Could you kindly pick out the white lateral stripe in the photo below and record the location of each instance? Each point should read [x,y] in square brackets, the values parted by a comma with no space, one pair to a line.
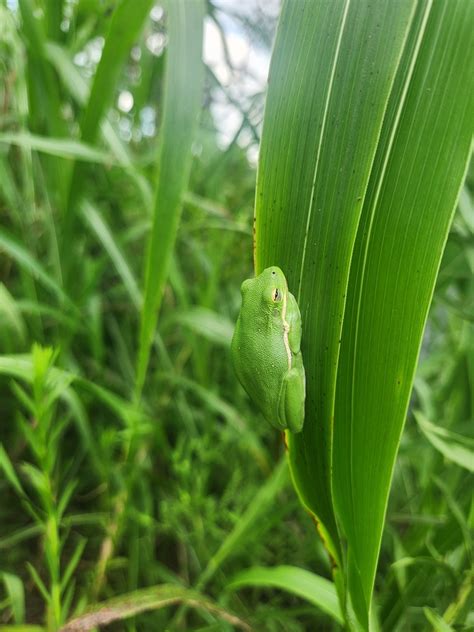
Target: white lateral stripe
[286,329]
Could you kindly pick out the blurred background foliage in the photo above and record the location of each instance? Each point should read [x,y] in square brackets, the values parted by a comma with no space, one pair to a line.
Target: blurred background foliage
[101,496]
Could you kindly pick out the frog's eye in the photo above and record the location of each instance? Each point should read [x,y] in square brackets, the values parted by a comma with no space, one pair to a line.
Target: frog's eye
[276,295]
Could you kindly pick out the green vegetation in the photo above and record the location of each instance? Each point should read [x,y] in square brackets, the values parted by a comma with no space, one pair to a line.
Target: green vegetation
[140,487]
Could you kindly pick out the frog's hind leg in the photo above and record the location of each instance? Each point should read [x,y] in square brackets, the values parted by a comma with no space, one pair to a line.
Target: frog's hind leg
[291,401]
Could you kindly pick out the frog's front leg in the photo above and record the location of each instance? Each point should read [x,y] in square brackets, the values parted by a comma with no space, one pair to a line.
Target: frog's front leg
[291,400]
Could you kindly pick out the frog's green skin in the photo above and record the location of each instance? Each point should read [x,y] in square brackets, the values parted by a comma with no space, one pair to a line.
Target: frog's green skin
[266,349]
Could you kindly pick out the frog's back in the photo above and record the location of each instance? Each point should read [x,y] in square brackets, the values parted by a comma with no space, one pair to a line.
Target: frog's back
[260,358]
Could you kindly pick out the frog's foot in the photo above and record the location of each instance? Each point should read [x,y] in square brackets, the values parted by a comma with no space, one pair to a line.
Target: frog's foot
[291,401]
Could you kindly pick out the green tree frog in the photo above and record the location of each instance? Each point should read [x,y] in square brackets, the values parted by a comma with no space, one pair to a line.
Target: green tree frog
[266,349]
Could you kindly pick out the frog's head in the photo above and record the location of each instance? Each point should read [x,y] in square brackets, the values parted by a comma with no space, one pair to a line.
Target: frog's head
[274,287]
[270,286]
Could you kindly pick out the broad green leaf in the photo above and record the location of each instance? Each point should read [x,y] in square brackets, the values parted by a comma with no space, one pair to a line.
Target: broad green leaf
[453,446]
[154,598]
[182,101]
[366,136]
[315,589]
[408,208]
[330,79]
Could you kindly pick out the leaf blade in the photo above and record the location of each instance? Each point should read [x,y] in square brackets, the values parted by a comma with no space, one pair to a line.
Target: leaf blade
[153,598]
[182,98]
[395,263]
[316,155]
[317,590]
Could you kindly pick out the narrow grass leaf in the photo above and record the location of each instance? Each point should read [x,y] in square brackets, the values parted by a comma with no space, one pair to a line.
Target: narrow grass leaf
[9,471]
[11,313]
[21,255]
[20,535]
[317,590]
[20,366]
[438,623]
[79,89]
[62,147]
[73,562]
[22,628]
[38,582]
[97,224]
[182,102]
[259,505]
[218,405]
[124,29]
[453,446]
[42,105]
[145,600]
[457,512]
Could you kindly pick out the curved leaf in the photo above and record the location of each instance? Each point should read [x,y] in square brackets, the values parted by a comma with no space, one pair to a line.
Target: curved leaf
[453,446]
[317,590]
[131,604]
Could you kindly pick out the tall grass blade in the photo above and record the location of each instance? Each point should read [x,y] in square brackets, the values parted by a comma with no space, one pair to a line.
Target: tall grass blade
[97,224]
[182,101]
[79,89]
[125,26]
[43,111]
